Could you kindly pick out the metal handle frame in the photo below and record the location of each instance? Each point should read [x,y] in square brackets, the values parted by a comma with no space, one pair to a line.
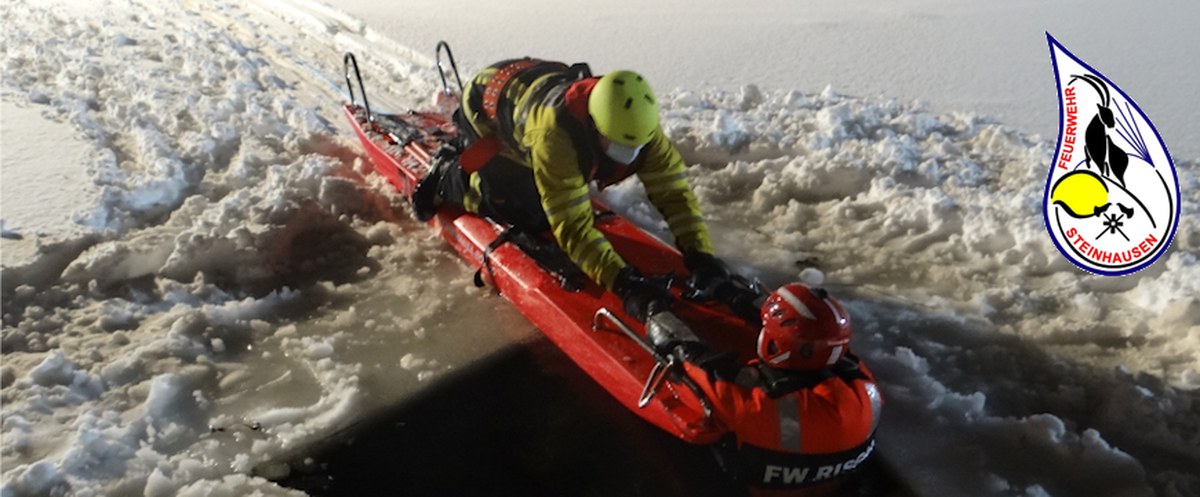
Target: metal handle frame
[349,61]
[663,364]
[454,66]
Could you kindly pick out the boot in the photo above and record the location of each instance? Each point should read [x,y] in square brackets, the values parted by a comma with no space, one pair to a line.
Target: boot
[426,197]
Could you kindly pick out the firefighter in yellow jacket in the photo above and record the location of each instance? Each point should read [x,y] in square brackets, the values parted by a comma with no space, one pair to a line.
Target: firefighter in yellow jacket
[537,133]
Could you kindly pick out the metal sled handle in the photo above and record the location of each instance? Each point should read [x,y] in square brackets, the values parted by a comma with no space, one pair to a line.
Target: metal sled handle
[662,364]
[603,312]
[658,375]
[453,66]
[349,61]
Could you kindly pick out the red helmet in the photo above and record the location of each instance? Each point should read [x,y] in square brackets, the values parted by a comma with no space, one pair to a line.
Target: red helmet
[803,328]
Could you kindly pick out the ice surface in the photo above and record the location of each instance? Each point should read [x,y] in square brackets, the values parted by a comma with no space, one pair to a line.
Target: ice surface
[233,289]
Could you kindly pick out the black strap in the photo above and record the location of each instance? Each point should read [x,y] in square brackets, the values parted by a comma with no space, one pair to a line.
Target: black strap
[780,382]
[546,254]
[580,70]
[493,92]
[550,257]
[399,130]
[586,144]
[505,236]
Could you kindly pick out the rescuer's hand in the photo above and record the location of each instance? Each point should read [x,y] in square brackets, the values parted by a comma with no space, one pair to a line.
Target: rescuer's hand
[745,301]
[708,274]
[642,297]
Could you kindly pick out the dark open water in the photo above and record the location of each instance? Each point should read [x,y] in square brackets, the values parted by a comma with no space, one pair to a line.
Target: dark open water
[524,422]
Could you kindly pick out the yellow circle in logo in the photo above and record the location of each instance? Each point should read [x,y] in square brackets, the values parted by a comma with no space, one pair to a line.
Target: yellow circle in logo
[1081,193]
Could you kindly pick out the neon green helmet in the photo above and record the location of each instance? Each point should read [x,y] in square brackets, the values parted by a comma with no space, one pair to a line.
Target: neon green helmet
[624,108]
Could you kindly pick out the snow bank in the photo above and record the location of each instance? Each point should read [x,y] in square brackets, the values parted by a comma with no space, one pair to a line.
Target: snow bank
[245,292]
[241,291]
[986,57]
[938,209]
[1006,368]
[161,361]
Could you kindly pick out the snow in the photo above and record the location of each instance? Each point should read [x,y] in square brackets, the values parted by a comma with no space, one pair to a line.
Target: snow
[983,57]
[199,282]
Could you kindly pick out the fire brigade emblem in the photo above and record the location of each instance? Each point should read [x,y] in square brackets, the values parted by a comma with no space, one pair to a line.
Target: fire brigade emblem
[1112,197]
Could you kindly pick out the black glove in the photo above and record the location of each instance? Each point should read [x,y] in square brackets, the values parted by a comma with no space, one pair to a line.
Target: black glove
[744,301]
[708,274]
[643,297]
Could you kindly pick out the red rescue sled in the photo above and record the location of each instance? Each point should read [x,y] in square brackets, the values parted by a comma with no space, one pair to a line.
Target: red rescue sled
[588,324]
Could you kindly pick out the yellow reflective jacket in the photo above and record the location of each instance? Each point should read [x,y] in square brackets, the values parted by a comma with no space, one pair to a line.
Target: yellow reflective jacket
[541,133]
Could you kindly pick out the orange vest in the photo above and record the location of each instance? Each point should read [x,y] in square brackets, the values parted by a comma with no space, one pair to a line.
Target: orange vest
[801,432]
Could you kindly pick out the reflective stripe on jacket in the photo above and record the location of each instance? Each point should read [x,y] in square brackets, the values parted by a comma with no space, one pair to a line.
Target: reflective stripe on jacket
[802,436]
[563,151]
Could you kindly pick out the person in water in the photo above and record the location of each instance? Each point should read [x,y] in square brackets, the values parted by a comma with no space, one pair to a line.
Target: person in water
[802,416]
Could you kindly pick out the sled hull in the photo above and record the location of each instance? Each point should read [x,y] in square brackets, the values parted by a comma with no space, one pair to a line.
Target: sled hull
[620,365]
